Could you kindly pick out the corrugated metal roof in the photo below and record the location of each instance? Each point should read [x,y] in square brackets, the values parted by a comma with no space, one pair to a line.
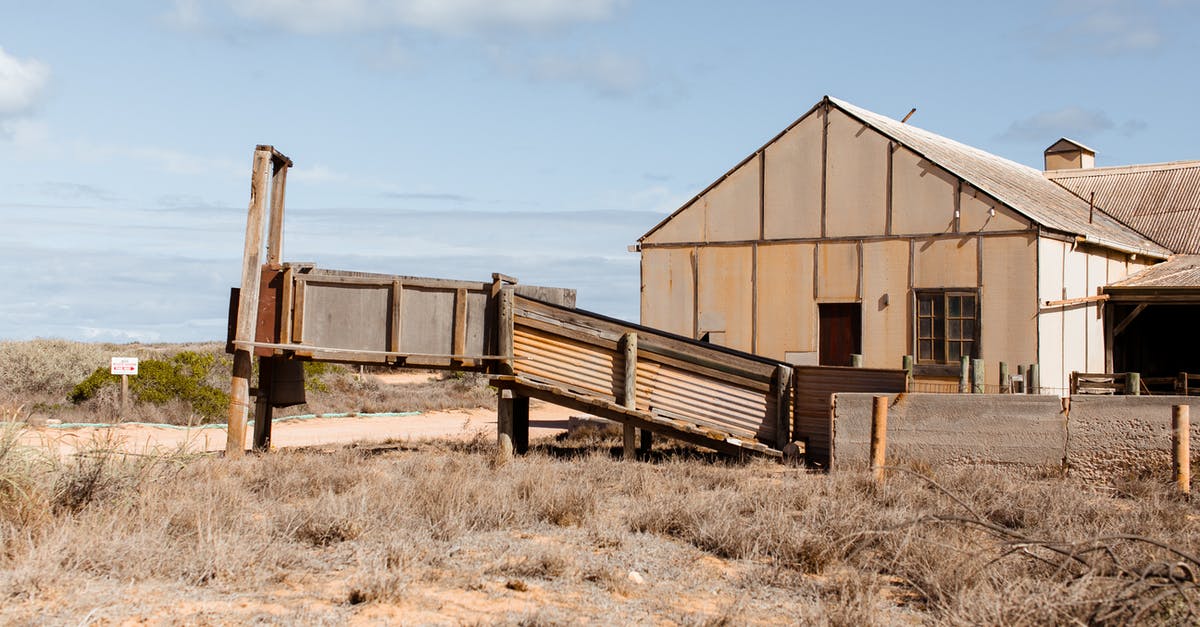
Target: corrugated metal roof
[1178,271]
[1162,200]
[1021,187]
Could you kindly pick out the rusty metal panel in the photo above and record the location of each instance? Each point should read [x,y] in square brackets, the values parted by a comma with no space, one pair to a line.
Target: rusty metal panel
[946,262]
[1008,303]
[685,226]
[668,294]
[856,178]
[706,401]
[837,271]
[786,309]
[731,206]
[270,309]
[885,314]
[922,195]
[792,182]
[558,359]
[813,410]
[726,295]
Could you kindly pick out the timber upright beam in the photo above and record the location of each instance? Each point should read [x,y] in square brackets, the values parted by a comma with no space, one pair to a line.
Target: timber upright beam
[263,410]
[629,343]
[247,308]
[512,409]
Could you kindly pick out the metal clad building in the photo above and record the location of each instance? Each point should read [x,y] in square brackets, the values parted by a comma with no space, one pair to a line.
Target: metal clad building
[851,232]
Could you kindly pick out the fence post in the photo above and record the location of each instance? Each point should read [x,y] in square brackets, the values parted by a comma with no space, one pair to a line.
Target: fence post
[856,360]
[1005,383]
[1181,453]
[977,379]
[1021,373]
[1034,386]
[907,364]
[964,375]
[1133,383]
[879,413]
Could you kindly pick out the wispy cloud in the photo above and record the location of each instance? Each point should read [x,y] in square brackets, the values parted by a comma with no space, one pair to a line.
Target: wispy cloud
[442,16]
[446,197]
[1075,122]
[1107,27]
[77,191]
[607,74]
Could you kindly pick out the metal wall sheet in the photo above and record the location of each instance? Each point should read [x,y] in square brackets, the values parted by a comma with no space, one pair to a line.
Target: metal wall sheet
[792,191]
[813,410]
[980,213]
[946,262]
[837,271]
[856,178]
[922,195]
[787,312]
[1097,278]
[885,311]
[1051,254]
[731,208]
[1075,328]
[726,295]
[668,290]
[561,360]
[1008,303]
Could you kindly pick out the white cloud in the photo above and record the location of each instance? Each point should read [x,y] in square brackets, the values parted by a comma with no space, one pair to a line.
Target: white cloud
[1109,27]
[443,16]
[185,15]
[22,84]
[316,174]
[608,74]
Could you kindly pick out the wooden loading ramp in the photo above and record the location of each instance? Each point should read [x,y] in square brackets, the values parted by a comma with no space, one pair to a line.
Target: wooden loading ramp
[531,340]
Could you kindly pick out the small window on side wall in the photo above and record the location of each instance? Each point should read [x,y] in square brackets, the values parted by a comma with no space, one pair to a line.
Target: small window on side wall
[947,325]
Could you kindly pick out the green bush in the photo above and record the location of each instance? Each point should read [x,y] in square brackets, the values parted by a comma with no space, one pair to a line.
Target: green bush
[182,377]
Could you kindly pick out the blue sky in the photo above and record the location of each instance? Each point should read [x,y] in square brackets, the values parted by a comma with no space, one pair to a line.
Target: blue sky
[455,138]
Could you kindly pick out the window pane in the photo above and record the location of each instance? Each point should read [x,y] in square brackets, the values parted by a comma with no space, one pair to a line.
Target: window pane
[925,327]
[939,307]
[968,304]
[968,349]
[955,306]
[955,351]
[924,306]
[968,329]
[956,329]
[925,350]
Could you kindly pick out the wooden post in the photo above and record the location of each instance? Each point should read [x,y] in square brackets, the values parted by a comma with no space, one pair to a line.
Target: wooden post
[1181,454]
[124,394]
[1021,373]
[280,165]
[263,411]
[856,360]
[1034,386]
[964,374]
[629,343]
[906,363]
[504,417]
[505,332]
[1133,384]
[879,412]
[977,380]
[1005,383]
[782,385]
[247,309]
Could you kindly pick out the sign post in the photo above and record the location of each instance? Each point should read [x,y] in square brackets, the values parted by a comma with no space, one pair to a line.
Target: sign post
[124,366]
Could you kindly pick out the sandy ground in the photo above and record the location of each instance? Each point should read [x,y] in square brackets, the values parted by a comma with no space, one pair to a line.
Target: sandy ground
[544,420]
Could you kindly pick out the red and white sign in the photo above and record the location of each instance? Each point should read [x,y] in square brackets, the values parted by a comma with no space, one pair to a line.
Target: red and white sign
[124,365]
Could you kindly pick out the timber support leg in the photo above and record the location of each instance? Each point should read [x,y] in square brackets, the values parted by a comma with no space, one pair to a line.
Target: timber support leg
[629,442]
[520,422]
[647,443]
[239,404]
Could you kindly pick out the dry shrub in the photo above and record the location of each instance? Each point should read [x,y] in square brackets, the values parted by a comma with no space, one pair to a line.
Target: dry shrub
[539,563]
[346,391]
[47,367]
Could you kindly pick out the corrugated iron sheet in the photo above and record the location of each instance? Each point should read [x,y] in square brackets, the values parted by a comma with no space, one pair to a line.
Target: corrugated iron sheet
[675,393]
[573,364]
[1162,201]
[1178,271]
[814,387]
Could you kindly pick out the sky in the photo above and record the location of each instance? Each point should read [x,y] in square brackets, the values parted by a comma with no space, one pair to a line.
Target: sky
[456,138]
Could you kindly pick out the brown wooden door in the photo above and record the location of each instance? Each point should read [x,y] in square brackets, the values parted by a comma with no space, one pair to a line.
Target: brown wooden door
[840,326]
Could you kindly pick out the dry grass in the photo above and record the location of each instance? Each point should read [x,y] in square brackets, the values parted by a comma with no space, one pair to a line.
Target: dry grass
[439,535]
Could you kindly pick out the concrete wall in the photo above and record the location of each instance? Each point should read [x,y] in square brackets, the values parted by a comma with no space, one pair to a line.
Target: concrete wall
[954,429]
[1113,436]
[1099,437]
